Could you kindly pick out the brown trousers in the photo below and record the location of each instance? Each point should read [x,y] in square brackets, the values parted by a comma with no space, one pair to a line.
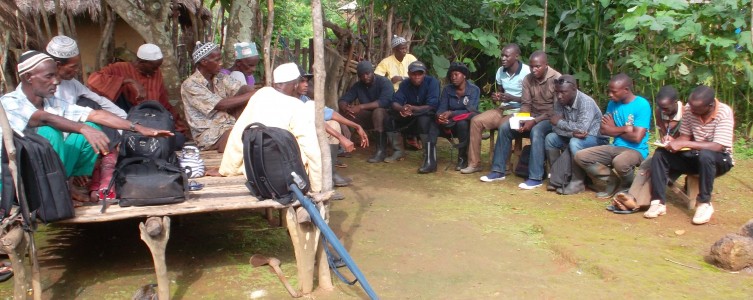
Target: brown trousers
[488,120]
[370,119]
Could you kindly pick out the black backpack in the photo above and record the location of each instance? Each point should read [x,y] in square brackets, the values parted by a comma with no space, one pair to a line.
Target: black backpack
[148,171]
[270,155]
[142,181]
[42,177]
[154,115]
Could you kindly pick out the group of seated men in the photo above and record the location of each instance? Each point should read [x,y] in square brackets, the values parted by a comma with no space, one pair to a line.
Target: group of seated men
[398,96]
[695,138]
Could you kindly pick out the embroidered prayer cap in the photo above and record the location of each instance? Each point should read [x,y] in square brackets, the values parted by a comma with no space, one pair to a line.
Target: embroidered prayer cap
[62,47]
[202,50]
[416,66]
[149,52]
[398,40]
[364,67]
[286,73]
[30,60]
[245,50]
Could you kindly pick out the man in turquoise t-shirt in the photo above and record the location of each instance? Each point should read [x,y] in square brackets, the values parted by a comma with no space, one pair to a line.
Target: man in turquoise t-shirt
[627,119]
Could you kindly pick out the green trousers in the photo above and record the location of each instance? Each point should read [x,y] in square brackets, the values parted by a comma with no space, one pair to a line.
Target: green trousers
[75,152]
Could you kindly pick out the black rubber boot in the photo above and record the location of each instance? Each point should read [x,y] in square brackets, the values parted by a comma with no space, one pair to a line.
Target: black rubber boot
[381,151]
[398,152]
[336,178]
[462,159]
[576,184]
[430,158]
[552,155]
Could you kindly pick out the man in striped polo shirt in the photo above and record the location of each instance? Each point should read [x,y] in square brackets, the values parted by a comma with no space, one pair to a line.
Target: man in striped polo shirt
[704,147]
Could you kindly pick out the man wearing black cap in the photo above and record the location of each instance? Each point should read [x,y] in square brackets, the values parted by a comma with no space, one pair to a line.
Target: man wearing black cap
[374,94]
[415,103]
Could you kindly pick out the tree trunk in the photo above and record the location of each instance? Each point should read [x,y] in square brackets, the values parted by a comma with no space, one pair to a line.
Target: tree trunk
[319,80]
[149,18]
[46,19]
[59,17]
[241,26]
[268,43]
[543,38]
[105,46]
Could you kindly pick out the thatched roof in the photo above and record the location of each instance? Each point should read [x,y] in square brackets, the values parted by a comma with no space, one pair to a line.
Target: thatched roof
[90,8]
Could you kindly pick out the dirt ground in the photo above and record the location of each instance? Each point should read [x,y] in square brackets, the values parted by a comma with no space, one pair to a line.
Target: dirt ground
[436,236]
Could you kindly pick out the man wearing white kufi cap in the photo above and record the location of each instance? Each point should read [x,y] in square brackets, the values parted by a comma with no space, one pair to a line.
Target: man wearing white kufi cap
[277,107]
[130,83]
[212,100]
[71,129]
[64,51]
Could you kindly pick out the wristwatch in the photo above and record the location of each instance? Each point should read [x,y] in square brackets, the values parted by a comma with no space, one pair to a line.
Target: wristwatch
[133,126]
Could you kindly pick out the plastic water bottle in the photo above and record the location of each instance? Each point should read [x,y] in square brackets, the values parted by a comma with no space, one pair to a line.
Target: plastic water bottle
[298,180]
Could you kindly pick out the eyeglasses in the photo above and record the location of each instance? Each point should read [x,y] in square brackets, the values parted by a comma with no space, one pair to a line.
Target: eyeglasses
[561,81]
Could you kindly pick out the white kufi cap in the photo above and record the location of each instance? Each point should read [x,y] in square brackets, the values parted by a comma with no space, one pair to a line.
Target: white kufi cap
[286,73]
[149,52]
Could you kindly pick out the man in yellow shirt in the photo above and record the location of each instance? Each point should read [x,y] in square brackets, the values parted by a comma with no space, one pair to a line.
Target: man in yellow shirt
[395,66]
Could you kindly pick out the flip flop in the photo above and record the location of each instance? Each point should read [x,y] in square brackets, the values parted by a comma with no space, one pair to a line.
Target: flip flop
[6,271]
[611,208]
[624,212]
[195,186]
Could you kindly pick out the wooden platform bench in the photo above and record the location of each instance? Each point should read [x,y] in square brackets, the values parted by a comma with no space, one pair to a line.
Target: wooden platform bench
[219,194]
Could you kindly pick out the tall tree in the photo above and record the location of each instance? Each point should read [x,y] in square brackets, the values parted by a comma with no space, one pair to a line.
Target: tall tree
[150,19]
[241,25]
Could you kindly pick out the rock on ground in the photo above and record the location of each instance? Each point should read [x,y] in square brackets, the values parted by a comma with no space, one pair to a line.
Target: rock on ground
[733,252]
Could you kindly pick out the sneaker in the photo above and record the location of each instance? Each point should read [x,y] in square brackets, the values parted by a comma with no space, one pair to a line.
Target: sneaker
[656,209]
[470,169]
[530,184]
[703,213]
[492,176]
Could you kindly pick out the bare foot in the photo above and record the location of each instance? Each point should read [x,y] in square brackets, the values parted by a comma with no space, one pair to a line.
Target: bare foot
[215,172]
[94,196]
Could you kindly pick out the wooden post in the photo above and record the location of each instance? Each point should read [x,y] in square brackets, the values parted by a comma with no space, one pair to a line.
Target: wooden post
[691,188]
[14,243]
[268,42]
[155,233]
[325,280]
[317,52]
[305,238]
[297,54]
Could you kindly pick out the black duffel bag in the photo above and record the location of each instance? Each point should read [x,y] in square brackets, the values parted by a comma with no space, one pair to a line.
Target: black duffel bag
[141,181]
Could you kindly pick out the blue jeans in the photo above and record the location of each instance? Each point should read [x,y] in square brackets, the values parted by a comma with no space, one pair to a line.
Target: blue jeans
[504,144]
[556,141]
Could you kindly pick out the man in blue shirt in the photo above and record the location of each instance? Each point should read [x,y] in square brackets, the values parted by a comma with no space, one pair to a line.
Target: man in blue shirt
[374,94]
[627,119]
[415,104]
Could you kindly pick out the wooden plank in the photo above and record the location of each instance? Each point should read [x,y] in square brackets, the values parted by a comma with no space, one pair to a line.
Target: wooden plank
[218,194]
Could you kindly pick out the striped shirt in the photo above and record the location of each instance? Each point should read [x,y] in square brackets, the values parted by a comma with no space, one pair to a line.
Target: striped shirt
[718,129]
